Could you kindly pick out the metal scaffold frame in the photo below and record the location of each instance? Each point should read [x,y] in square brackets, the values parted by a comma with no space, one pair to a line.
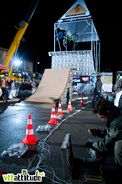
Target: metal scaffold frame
[75,32]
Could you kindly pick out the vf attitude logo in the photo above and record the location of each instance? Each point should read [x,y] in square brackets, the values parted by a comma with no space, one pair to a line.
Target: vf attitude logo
[24,176]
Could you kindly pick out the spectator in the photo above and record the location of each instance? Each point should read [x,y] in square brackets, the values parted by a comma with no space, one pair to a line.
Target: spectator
[67,96]
[97,90]
[4,87]
[118,93]
[118,85]
[12,93]
[0,92]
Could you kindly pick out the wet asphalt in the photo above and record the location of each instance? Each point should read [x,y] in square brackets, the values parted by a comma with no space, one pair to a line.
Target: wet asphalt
[13,121]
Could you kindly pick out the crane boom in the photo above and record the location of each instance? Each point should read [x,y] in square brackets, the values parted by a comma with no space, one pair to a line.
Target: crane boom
[15,44]
[18,37]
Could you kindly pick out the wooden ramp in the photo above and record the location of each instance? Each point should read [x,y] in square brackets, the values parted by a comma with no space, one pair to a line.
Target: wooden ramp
[52,86]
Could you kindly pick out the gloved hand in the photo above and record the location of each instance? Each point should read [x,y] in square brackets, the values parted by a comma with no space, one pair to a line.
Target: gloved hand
[94,131]
[88,144]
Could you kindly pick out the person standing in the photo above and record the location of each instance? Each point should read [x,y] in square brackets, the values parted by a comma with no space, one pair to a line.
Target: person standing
[118,93]
[12,92]
[4,87]
[97,90]
[67,96]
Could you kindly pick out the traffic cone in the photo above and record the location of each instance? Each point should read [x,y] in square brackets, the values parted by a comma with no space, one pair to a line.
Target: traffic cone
[69,108]
[29,138]
[82,102]
[60,113]
[53,117]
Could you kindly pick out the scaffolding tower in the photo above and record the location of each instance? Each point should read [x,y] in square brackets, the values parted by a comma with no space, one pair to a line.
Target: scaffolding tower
[76,41]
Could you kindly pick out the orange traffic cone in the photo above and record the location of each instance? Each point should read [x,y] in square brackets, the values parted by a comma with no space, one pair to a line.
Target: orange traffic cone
[82,102]
[29,138]
[59,113]
[69,108]
[53,117]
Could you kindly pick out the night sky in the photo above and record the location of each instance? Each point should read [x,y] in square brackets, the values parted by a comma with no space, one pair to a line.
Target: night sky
[38,38]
